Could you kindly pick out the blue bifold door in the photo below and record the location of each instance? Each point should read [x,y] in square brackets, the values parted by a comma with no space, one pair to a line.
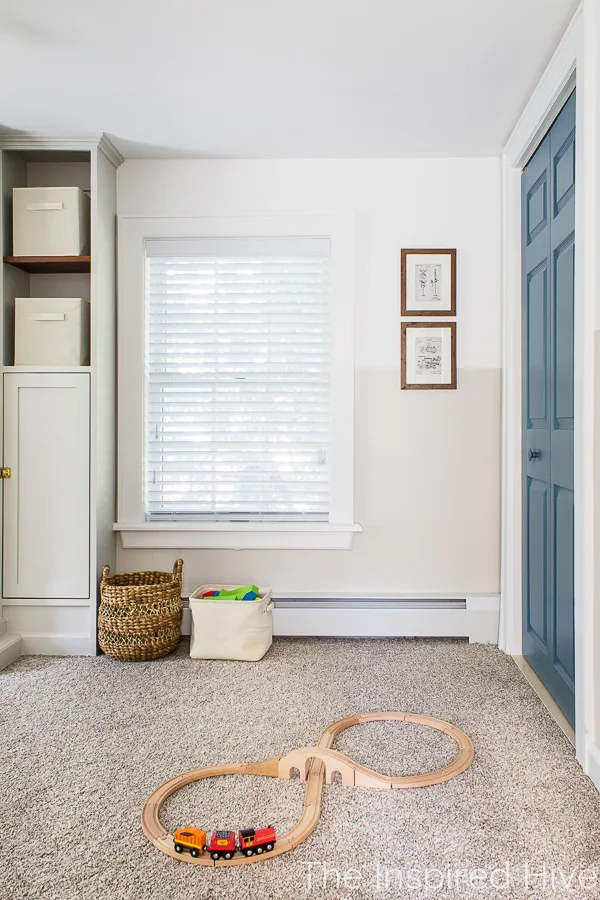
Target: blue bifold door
[548,214]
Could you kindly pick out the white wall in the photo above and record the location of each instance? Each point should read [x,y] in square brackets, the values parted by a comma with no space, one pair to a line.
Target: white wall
[427,462]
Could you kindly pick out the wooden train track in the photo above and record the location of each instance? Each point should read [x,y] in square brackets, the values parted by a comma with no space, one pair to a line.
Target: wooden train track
[316,766]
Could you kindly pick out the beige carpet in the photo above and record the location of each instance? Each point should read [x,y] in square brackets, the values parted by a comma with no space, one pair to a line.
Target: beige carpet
[84,741]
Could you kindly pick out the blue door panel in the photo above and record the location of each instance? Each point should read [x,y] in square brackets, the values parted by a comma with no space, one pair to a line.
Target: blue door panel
[537,323]
[564,166]
[537,207]
[548,253]
[537,531]
[564,278]
[564,633]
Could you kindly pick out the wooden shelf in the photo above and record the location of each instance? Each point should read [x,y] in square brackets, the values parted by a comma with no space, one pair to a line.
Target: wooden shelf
[50,265]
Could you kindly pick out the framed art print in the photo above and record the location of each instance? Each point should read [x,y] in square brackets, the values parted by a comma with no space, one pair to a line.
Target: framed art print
[428,282]
[428,356]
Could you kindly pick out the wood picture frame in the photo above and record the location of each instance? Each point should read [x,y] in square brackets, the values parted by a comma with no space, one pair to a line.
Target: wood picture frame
[430,354]
[424,273]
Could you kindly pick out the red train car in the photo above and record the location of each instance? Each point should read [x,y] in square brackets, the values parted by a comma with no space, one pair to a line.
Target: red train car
[256,840]
[222,844]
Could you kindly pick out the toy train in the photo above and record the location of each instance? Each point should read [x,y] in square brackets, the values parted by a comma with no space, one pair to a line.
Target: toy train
[222,844]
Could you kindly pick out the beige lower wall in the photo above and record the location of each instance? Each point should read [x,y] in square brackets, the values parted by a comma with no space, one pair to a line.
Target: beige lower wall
[427,494]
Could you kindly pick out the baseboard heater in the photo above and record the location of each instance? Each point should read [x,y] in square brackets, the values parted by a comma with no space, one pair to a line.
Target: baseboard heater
[472,617]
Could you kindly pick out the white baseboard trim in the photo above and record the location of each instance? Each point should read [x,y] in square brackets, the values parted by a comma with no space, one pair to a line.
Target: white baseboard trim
[44,601]
[57,644]
[10,648]
[592,767]
[475,618]
[546,697]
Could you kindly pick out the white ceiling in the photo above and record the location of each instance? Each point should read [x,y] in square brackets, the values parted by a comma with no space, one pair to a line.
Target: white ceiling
[277,78]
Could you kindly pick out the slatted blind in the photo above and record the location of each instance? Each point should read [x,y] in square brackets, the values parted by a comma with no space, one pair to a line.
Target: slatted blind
[238,380]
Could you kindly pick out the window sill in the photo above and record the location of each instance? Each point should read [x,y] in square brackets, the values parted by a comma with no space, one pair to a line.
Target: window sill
[232,536]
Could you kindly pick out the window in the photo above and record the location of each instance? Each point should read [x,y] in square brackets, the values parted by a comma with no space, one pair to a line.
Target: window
[238,380]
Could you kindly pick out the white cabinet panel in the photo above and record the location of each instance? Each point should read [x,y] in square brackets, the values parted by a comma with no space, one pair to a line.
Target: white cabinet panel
[47,499]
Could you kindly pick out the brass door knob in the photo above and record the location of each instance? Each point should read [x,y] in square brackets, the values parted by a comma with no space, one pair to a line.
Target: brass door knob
[5,472]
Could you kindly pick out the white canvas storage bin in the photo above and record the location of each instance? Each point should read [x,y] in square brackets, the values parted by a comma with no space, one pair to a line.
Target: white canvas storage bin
[51,221]
[230,629]
[52,331]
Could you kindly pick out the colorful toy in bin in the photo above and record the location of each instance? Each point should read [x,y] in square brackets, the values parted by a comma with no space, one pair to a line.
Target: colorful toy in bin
[247,592]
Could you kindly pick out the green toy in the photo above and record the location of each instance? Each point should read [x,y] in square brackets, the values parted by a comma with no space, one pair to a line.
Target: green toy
[247,592]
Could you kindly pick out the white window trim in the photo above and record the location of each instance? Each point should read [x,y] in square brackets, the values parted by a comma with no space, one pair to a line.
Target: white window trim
[135,531]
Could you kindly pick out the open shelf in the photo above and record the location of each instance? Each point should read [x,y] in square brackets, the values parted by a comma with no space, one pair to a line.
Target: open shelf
[50,265]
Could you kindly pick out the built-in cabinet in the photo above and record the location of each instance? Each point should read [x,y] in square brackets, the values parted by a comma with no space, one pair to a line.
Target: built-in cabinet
[46,502]
[58,423]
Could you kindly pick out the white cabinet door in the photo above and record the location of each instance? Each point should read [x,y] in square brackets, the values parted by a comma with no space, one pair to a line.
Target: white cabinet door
[46,537]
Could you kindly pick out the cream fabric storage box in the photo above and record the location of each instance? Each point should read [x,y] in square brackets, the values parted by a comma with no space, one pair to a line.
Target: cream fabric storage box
[51,221]
[230,629]
[52,331]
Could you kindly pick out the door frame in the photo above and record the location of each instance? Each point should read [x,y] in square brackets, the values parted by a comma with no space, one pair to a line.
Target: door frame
[571,66]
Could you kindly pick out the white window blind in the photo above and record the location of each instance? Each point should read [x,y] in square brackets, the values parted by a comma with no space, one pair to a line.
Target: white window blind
[238,379]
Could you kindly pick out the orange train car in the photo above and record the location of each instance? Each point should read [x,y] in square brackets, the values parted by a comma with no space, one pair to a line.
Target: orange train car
[192,839]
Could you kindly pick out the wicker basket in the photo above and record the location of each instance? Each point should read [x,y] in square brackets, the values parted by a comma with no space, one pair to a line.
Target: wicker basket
[140,613]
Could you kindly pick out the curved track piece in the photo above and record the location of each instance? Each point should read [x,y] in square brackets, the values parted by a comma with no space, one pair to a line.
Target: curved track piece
[316,764]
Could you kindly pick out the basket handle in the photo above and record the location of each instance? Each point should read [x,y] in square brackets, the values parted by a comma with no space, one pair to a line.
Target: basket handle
[178,570]
[105,573]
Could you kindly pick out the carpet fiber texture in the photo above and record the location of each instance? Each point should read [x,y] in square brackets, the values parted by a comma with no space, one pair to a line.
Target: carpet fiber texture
[84,741]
